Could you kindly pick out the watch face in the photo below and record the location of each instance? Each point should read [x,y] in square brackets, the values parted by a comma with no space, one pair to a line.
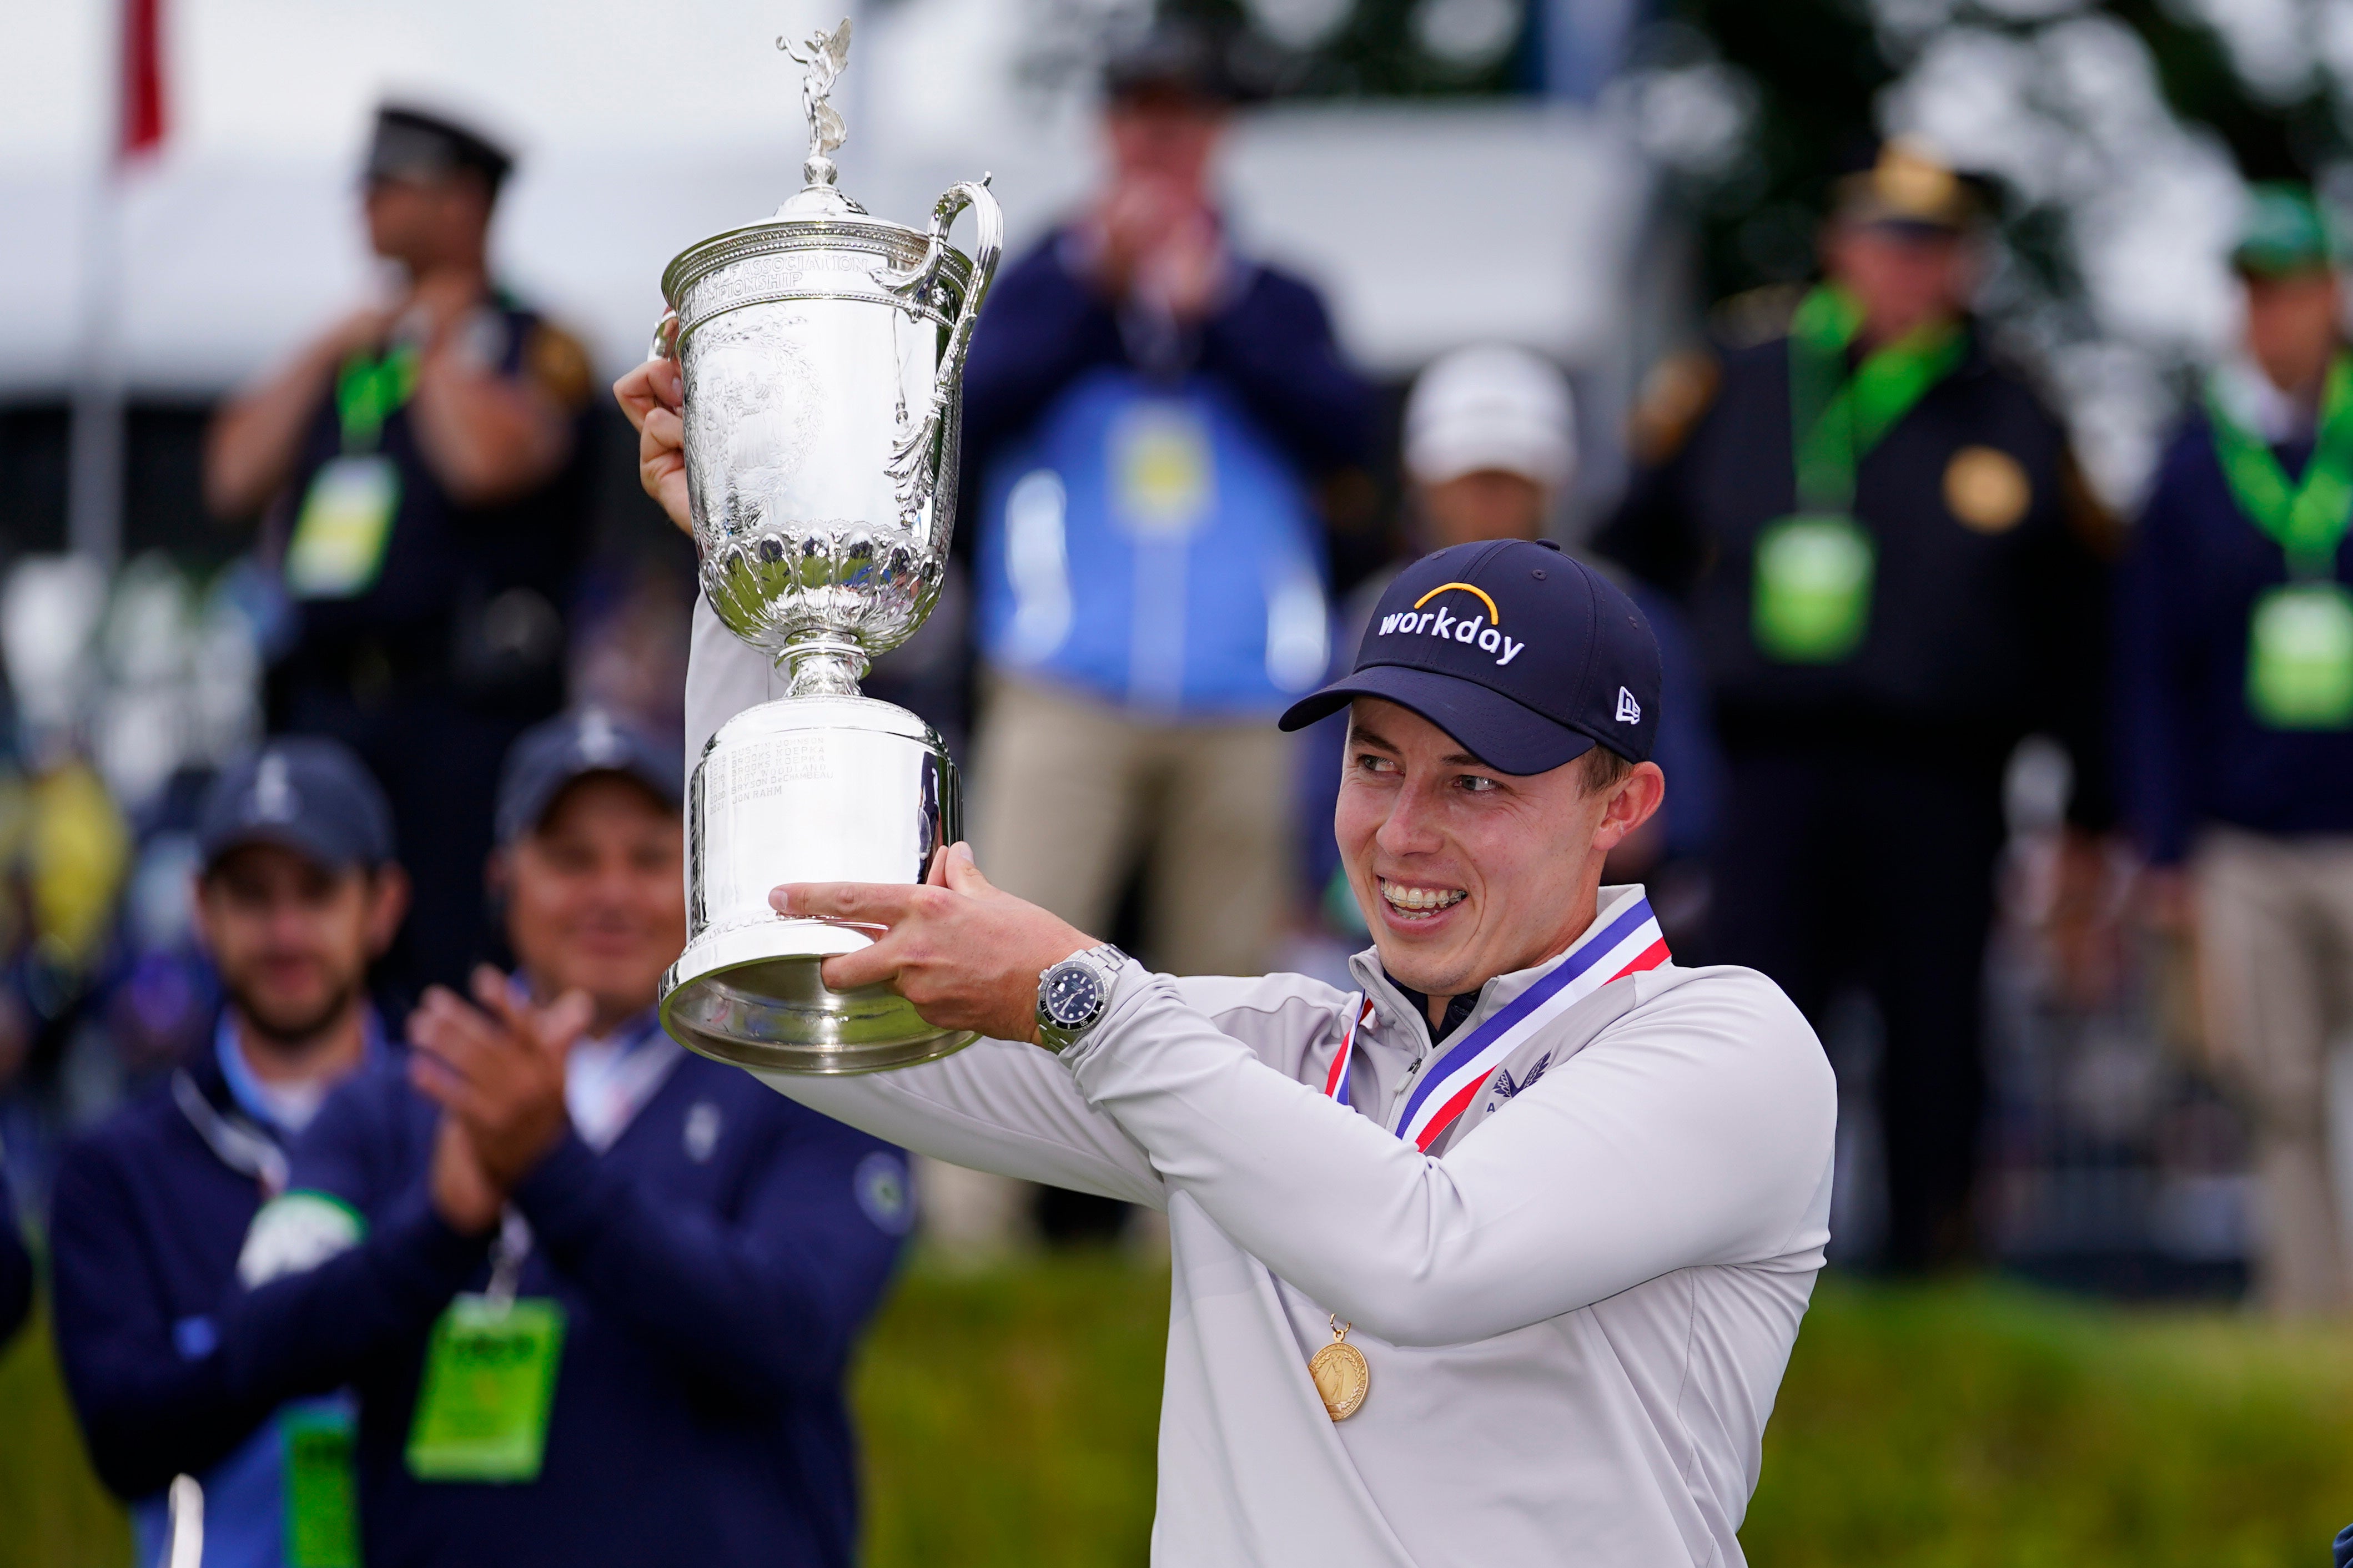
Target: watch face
[1073,991]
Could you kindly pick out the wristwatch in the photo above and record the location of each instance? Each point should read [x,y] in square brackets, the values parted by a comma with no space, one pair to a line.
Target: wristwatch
[1072,996]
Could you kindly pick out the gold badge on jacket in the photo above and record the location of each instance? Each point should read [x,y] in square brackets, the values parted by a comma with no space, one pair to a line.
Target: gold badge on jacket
[1987,488]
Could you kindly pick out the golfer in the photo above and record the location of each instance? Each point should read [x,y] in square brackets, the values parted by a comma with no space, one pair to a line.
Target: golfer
[1493,1260]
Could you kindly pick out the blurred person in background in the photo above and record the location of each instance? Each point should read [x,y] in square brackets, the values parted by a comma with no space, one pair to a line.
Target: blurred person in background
[298,893]
[2236,666]
[423,471]
[1490,448]
[665,1264]
[1892,573]
[1147,411]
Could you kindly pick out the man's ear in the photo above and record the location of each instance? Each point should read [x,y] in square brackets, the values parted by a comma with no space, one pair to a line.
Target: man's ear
[1633,801]
[387,906]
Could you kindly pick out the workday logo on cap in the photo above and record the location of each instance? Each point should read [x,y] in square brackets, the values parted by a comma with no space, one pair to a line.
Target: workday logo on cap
[1441,622]
[1527,657]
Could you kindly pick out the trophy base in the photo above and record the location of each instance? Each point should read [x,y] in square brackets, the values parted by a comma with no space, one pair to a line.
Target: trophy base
[825,788]
[754,996]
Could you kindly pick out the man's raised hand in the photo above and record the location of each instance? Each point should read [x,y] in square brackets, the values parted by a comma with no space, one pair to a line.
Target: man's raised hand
[965,953]
[654,397]
[497,1069]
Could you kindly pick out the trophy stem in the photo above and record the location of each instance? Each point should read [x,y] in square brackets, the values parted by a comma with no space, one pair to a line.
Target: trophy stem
[824,667]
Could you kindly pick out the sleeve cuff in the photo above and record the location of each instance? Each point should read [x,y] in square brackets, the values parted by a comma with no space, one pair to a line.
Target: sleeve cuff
[561,1196]
[1127,990]
[423,1255]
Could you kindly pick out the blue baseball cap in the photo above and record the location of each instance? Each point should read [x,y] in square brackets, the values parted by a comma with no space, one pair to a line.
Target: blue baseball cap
[303,793]
[549,757]
[1527,657]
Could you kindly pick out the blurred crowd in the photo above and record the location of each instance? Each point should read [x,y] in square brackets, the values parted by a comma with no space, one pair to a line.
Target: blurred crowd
[2044,815]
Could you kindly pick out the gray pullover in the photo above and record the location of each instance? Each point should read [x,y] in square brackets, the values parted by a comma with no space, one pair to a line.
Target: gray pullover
[1576,1305]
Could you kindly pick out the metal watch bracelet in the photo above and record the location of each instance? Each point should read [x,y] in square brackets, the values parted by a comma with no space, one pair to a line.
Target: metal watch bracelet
[1104,959]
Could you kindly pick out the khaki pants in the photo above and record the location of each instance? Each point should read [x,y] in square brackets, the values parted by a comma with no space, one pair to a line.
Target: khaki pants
[1069,791]
[2276,944]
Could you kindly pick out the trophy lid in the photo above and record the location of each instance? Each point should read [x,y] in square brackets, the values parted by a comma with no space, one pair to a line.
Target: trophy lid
[819,216]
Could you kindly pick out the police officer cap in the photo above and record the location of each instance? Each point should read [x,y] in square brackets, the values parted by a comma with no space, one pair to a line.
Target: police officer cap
[1906,186]
[2286,233]
[303,793]
[1526,656]
[550,757]
[417,144]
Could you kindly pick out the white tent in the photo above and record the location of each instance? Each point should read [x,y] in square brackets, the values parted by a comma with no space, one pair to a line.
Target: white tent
[642,128]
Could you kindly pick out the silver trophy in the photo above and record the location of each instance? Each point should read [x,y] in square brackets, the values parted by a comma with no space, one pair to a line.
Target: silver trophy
[823,356]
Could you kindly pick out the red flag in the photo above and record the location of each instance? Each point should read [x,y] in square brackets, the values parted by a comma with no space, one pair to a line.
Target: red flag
[143,77]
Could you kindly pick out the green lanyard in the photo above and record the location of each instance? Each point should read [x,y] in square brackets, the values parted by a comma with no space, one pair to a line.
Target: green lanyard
[2307,520]
[1835,419]
[368,389]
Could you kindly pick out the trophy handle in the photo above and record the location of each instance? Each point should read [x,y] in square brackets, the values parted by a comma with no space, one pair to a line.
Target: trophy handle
[665,344]
[917,280]
[913,470]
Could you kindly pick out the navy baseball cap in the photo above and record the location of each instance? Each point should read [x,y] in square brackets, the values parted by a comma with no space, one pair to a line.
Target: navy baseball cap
[1527,657]
[549,757]
[303,793]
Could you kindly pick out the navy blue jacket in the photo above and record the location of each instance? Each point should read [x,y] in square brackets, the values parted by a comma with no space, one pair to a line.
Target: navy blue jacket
[1045,326]
[146,1226]
[715,1264]
[2192,751]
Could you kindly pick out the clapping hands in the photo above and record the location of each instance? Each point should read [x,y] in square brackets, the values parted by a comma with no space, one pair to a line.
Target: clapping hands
[496,1069]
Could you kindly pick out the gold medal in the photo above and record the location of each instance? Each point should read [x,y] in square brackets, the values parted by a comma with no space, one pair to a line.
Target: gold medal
[1340,1376]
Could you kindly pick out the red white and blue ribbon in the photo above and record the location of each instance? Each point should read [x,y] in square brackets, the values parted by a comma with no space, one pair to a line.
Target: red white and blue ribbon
[1629,943]
[1335,1082]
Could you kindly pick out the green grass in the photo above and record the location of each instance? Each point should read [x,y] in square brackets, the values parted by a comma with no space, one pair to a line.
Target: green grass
[1008,1420]
[1985,1425]
[53,1512]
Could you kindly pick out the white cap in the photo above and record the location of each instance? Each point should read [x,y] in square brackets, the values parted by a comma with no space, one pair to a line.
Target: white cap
[1490,407]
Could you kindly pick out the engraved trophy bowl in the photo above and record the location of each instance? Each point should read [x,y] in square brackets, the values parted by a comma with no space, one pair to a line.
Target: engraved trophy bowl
[822,352]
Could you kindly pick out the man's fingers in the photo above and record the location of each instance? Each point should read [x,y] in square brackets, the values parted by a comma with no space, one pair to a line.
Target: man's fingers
[875,965]
[438,1081]
[560,1027]
[654,384]
[493,991]
[662,463]
[876,903]
[964,872]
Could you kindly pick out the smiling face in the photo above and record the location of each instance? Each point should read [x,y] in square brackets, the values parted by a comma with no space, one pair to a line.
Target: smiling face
[1465,873]
[595,899]
[292,939]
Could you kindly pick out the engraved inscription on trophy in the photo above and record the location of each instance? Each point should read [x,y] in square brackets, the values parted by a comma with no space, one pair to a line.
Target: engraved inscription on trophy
[759,772]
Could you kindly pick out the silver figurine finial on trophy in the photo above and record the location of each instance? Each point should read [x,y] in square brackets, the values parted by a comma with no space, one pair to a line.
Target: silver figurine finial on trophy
[825,54]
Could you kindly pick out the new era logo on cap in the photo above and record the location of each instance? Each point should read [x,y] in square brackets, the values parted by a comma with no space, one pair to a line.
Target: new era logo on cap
[1527,657]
